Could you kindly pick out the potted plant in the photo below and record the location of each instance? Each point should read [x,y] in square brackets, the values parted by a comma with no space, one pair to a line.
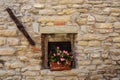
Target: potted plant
[60,60]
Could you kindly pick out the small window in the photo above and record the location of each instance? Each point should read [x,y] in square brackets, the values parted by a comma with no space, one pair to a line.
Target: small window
[50,42]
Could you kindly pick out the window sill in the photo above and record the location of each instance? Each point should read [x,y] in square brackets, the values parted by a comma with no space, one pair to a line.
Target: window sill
[47,72]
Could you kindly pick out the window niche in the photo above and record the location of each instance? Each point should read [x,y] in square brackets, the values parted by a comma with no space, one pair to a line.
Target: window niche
[50,41]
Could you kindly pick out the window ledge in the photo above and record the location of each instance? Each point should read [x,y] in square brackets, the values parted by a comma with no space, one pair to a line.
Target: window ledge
[47,72]
[59,29]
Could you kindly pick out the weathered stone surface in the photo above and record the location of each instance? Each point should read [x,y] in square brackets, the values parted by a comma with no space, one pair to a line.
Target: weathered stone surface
[53,18]
[116,10]
[100,18]
[60,29]
[30,73]
[23,58]
[108,61]
[38,5]
[103,31]
[7,33]
[83,10]
[91,67]
[91,18]
[83,43]
[70,1]
[95,55]
[82,21]
[72,72]
[94,2]
[12,41]
[116,58]
[115,51]
[31,68]
[66,78]
[2,41]
[95,77]
[115,78]
[106,11]
[1,65]
[105,56]
[27,19]
[94,43]
[104,25]
[26,7]
[97,61]
[116,45]
[116,39]
[6,73]
[2,27]
[112,19]
[13,65]
[47,11]
[7,51]
[67,11]
[83,63]
[115,14]
[96,40]
[93,37]
[16,65]
[117,25]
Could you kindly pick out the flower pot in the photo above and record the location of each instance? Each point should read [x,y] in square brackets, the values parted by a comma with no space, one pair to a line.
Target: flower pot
[59,67]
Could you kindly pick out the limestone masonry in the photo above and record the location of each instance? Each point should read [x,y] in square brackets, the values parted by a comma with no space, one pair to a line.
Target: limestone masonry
[97,41]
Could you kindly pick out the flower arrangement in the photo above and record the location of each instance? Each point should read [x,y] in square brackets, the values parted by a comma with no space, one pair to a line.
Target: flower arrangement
[60,57]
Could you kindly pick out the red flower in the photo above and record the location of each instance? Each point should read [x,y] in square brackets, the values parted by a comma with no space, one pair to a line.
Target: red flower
[62,59]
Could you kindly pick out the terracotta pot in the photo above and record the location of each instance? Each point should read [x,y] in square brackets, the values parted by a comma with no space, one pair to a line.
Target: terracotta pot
[59,67]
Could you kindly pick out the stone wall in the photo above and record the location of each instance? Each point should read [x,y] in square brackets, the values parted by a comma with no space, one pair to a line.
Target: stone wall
[97,43]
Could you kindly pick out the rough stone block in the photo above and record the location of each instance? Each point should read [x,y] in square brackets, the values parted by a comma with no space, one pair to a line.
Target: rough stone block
[2,27]
[93,37]
[82,21]
[12,41]
[106,11]
[82,43]
[83,10]
[2,41]
[100,18]
[66,78]
[6,73]
[116,45]
[16,65]
[47,12]
[10,33]
[104,26]
[54,18]
[116,39]
[7,51]
[90,18]
[71,1]
[115,10]
[31,68]
[94,43]
[73,72]
[84,63]
[59,29]
[31,73]
[97,61]
[117,25]
[38,5]
[103,31]
[1,65]
[95,55]
[27,19]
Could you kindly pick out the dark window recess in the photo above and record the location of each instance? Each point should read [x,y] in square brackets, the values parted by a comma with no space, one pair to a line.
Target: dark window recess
[63,46]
